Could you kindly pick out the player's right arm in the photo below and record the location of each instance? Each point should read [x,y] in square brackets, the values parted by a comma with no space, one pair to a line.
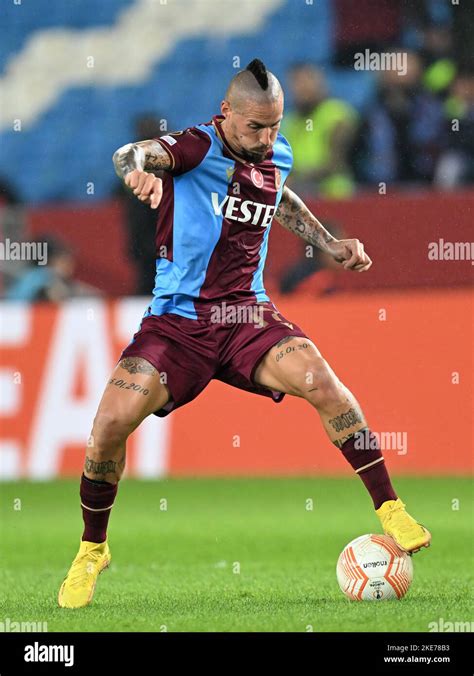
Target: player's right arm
[135,163]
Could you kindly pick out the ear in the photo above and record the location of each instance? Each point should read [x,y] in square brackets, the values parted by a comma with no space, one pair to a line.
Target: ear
[225,108]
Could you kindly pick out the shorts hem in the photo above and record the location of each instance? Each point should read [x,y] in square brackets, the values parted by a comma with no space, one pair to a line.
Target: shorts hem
[264,351]
[160,412]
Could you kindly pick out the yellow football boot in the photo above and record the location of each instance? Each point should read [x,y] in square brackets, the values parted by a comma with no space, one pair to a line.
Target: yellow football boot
[78,587]
[409,535]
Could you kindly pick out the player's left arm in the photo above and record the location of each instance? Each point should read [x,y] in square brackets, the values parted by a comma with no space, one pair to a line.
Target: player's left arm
[293,214]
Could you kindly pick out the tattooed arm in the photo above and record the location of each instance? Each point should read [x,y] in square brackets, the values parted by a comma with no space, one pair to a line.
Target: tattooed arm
[295,216]
[144,156]
[135,163]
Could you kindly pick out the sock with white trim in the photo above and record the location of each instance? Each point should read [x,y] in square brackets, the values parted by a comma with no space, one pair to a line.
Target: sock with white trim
[363,453]
[97,499]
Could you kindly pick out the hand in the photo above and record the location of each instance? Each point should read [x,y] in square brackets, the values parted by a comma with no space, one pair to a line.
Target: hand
[350,252]
[147,187]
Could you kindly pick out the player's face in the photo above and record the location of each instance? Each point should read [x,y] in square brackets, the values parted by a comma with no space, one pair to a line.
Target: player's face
[252,130]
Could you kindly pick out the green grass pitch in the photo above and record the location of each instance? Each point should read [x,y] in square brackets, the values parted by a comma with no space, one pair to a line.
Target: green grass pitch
[231,555]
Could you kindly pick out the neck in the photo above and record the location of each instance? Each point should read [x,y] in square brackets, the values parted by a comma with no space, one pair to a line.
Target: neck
[229,142]
[226,131]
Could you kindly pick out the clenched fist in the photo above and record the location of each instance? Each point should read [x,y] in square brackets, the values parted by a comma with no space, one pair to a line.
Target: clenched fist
[350,252]
[147,187]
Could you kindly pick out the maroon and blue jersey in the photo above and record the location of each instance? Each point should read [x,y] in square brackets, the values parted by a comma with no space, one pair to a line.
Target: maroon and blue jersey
[214,221]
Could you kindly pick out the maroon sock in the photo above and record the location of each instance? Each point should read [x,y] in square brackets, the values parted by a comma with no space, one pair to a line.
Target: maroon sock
[363,453]
[97,498]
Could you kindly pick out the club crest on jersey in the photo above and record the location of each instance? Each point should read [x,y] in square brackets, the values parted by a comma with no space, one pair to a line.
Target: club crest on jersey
[257,178]
[277,178]
[229,173]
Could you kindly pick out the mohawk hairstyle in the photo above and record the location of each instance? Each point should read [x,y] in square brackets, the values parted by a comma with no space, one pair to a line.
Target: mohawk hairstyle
[259,71]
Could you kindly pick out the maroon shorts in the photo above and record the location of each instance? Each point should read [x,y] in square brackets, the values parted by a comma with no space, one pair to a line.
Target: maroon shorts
[226,347]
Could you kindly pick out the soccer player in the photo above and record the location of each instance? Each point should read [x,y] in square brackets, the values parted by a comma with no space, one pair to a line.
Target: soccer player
[224,182]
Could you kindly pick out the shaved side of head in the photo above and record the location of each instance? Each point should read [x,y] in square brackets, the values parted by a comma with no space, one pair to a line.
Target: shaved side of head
[254,84]
[252,111]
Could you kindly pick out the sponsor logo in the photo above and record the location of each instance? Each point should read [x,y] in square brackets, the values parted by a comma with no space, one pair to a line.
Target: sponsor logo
[257,178]
[377,587]
[374,564]
[244,211]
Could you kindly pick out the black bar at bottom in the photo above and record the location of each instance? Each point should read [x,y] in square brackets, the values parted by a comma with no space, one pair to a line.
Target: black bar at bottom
[143,653]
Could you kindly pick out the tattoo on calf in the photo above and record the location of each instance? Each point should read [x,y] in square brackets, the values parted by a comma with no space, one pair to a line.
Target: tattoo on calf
[104,467]
[138,365]
[340,442]
[359,434]
[101,468]
[346,420]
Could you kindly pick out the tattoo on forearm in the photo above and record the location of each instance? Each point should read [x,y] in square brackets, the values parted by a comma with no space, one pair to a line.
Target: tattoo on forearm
[346,420]
[144,155]
[128,158]
[295,216]
[138,365]
[156,156]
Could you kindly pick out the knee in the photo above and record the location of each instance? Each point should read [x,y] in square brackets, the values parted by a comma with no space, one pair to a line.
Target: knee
[320,385]
[109,432]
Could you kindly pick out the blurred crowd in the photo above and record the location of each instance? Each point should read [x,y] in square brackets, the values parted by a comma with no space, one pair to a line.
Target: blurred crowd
[417,131]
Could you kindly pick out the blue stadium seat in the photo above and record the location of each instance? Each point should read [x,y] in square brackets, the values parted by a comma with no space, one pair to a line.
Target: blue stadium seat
[186,87]
[19,22]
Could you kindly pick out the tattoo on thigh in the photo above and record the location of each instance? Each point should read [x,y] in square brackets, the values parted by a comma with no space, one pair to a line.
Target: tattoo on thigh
[290,348]
[284,340]
[345,420]
[138,365]
[104,467]
[123,384]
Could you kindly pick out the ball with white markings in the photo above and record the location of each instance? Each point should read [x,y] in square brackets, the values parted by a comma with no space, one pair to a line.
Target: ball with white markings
[374,568]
